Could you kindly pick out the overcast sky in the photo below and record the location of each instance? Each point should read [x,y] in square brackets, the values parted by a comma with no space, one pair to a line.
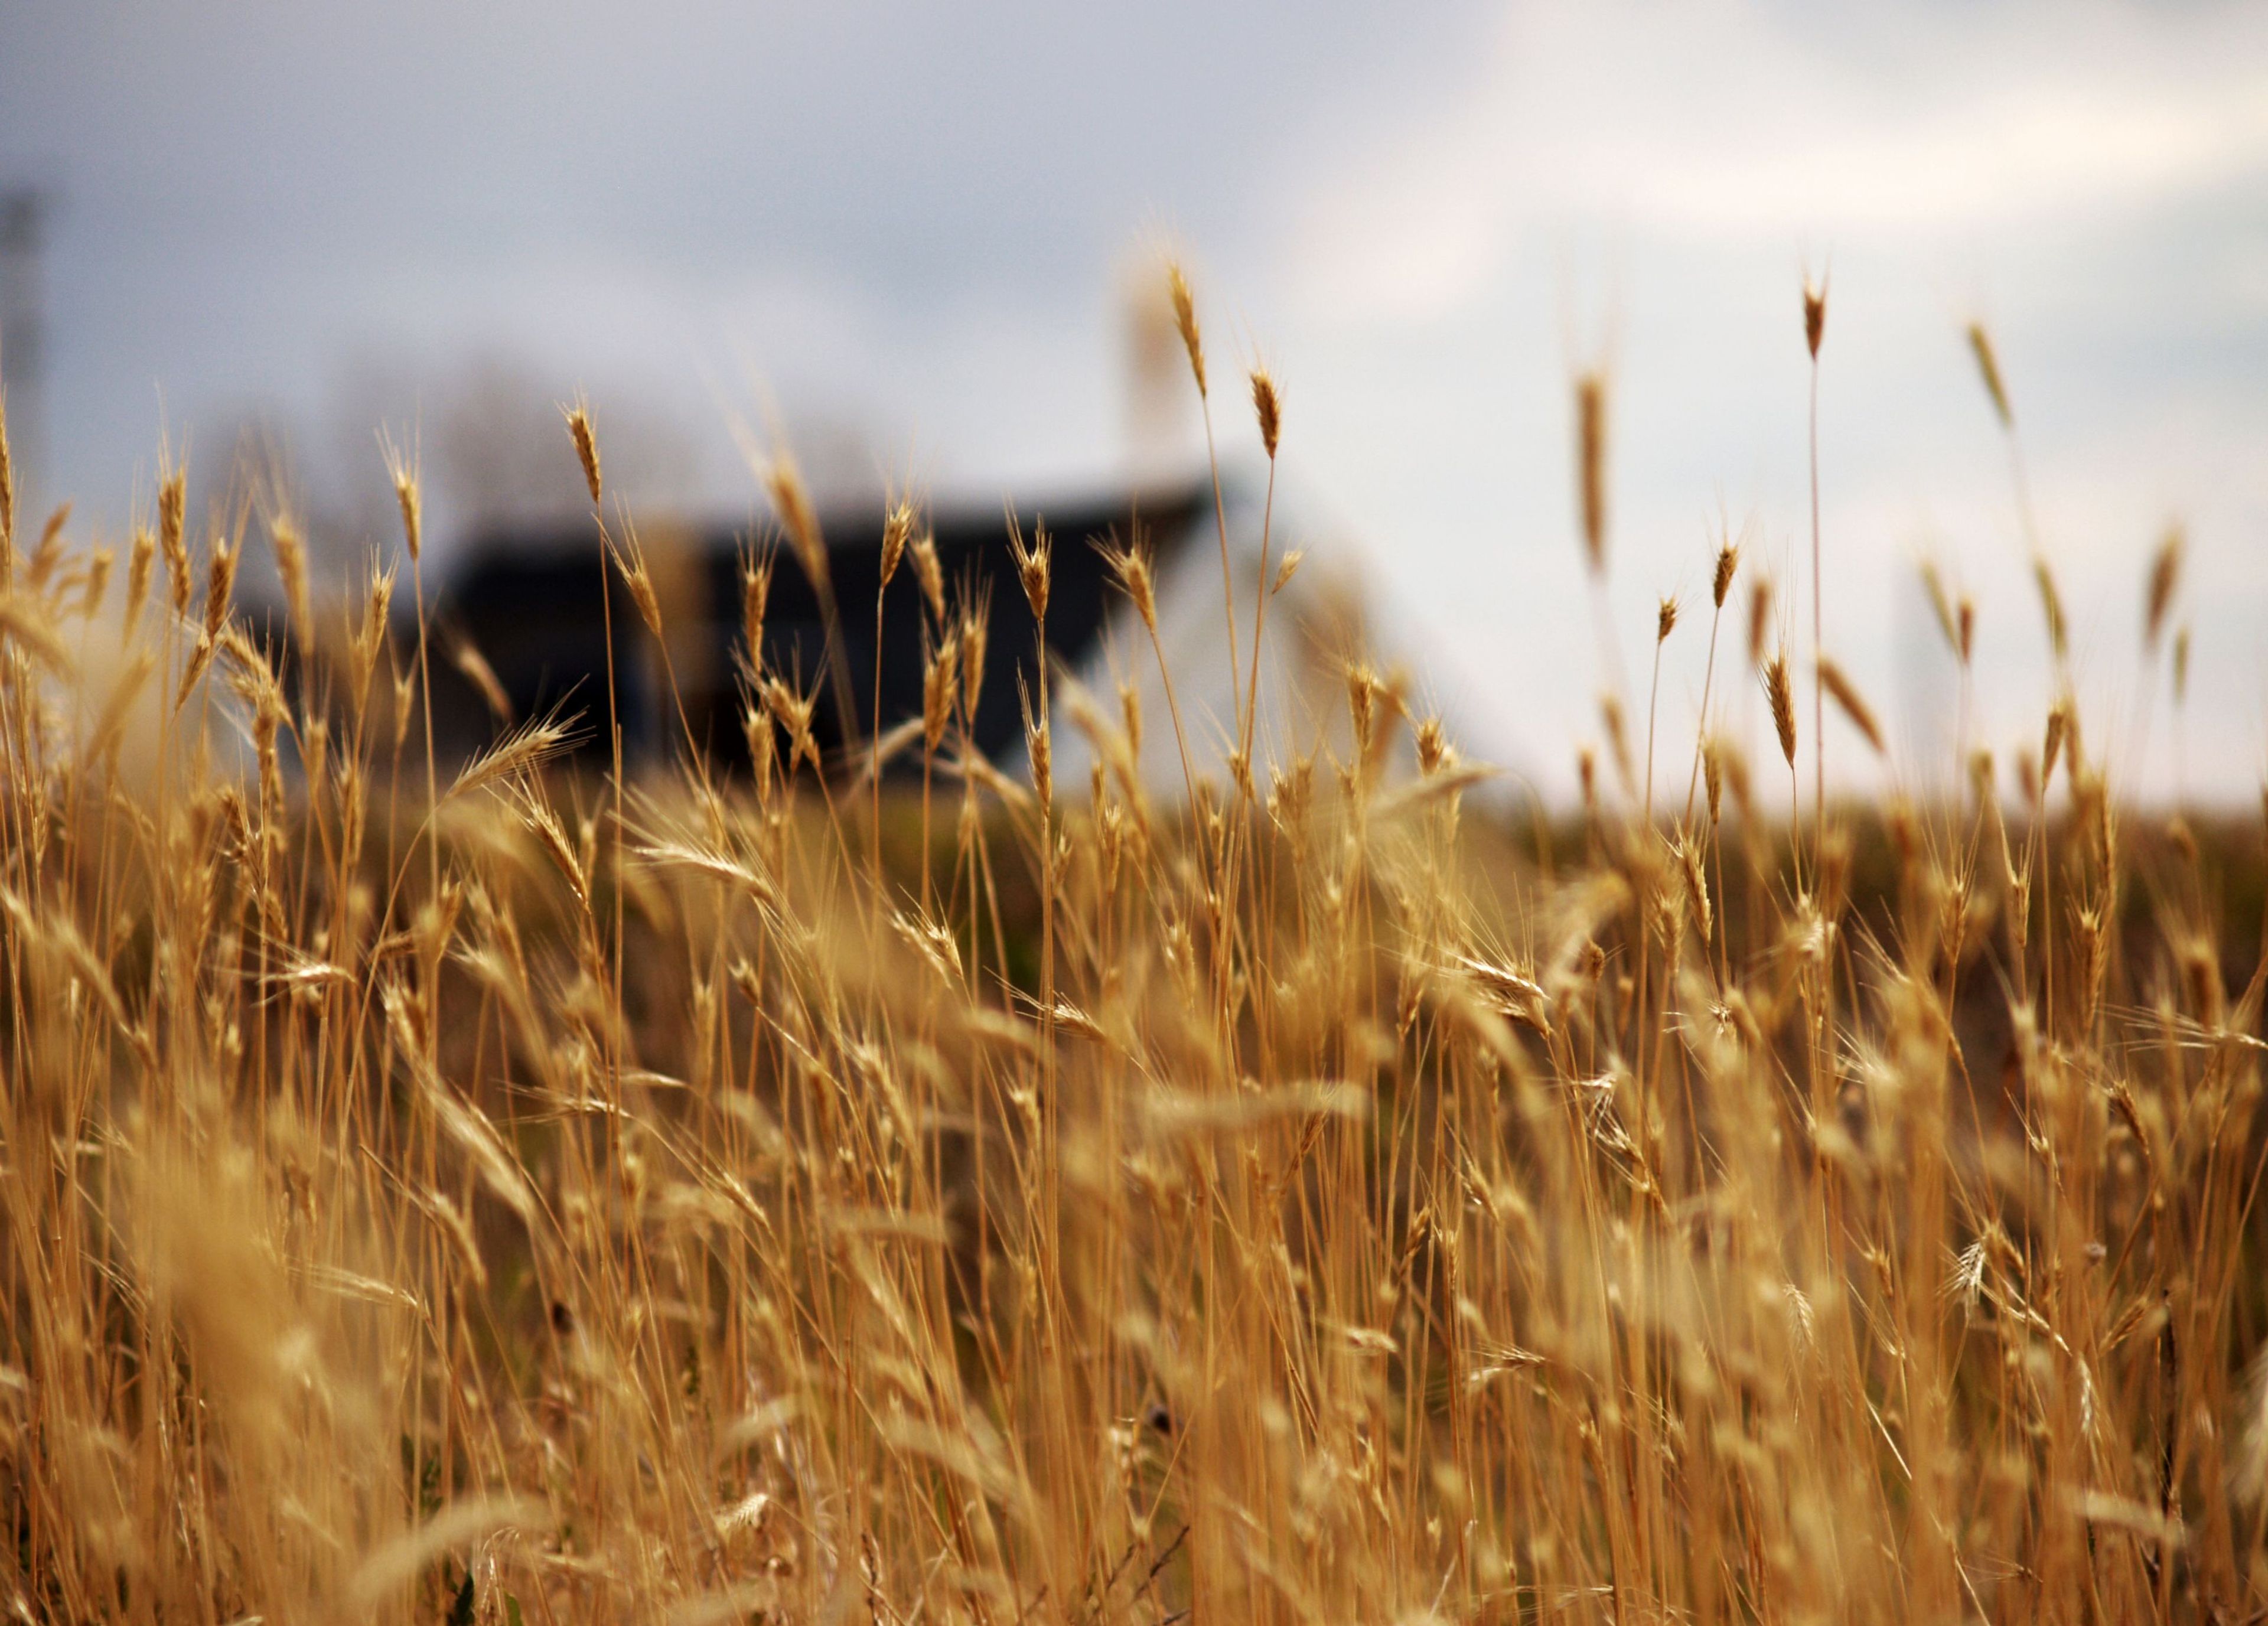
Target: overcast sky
[912,219]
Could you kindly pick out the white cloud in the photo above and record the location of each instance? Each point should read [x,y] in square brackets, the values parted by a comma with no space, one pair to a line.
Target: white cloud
[1723,121]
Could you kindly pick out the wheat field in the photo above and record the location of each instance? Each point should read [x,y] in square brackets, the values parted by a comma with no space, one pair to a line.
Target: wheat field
[518,1191]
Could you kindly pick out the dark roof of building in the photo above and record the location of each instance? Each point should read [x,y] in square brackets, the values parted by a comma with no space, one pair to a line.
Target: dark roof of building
[534,602]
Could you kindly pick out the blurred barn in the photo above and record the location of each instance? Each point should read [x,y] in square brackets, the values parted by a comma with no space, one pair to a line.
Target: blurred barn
[532,602]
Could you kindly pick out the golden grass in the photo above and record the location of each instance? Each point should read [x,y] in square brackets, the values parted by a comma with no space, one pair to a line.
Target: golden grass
[562,1199]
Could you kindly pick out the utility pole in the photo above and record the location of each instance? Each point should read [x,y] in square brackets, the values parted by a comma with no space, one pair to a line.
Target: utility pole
[23,332]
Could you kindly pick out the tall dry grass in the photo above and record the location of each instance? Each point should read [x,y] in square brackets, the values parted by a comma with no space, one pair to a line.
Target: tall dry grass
[521,1196]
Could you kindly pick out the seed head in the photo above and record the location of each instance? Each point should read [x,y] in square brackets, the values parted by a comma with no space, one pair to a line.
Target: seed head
[1665,620]
[586,446]
[1131,566]
[973,617]
[172,526]
[1185,319]
[1363,688]
[1988,368]
[897,530]
[49,553]
[1850,701]
[1697,886]
[2051,606]
[1610,715]
[24,622]
[1432,744]
[940,683]
[629,559]
[1130,708]
[764,750]
[930,573]
[1941,604]
[755,594]
[467,656]
[1760,616]
[220,583]
[138,564]
[2165,576]
[291,549]
[377,604]
[793,712]
[1032,564]
[791,501]
[1981,774]
[402,470]
[1815,314]
[1267,406]
[1591,466]
[1729,563]
[552,836]
[378,607]
[1038,745]
[1783,704]
[405,701]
